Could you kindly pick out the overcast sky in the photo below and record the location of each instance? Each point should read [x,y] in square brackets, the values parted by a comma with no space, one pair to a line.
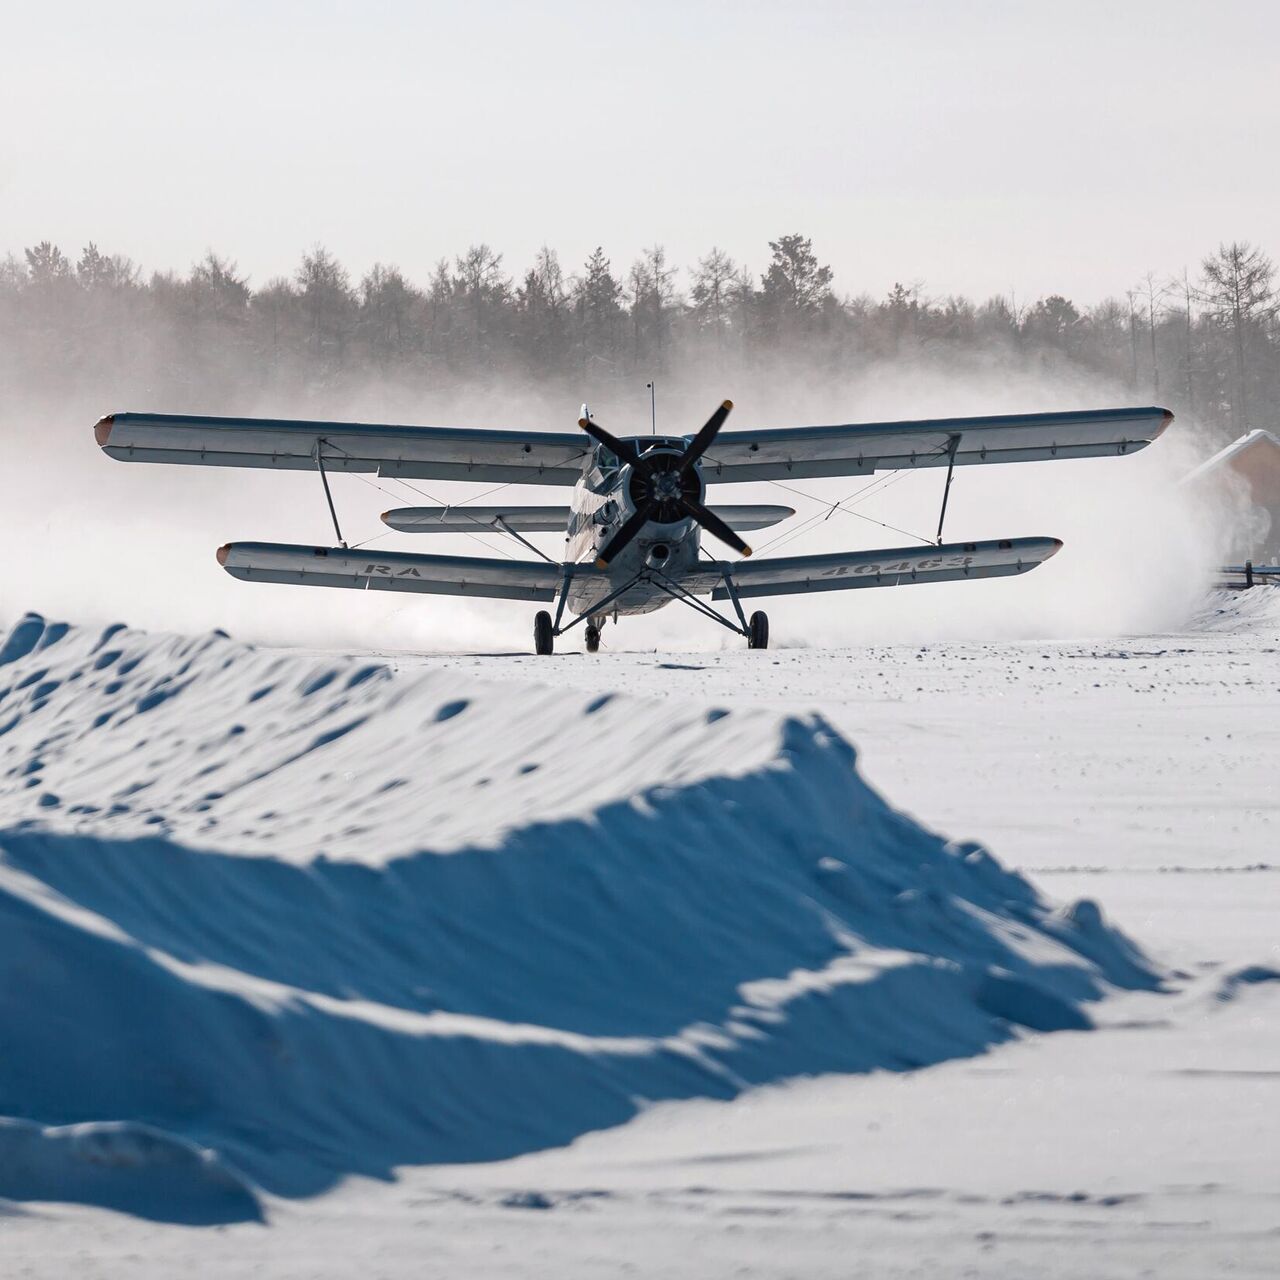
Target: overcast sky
[975,147]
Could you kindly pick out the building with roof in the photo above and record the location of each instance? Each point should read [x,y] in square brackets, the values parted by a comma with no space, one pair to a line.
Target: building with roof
[1244,479]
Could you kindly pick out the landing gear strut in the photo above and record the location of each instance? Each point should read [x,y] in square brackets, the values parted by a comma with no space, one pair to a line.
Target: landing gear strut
[545,629]
[543,634]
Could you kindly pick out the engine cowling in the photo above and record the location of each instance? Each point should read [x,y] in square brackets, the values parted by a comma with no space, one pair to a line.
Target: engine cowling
[661,482]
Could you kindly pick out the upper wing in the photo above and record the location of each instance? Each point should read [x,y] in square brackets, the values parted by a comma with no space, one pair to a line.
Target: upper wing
[894,567]
[862,448]
[427,453]
[396,571]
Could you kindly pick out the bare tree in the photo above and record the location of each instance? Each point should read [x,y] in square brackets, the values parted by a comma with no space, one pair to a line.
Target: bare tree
[541,309]
[1188,346]
[484,292]
[719,297]
[711,292]
[1155,295]
[324,293]
[388,303]
[1237,292]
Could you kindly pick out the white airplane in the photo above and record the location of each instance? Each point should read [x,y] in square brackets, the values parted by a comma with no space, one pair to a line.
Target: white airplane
[637,510]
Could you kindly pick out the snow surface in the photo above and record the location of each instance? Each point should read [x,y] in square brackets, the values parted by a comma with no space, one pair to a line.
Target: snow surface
[276,924]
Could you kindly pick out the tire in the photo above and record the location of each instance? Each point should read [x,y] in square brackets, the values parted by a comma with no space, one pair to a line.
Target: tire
[593,639]
[758,631]
[543,638]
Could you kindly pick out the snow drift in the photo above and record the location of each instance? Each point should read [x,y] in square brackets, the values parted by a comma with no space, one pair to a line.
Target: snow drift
[268,919]
[1239,612]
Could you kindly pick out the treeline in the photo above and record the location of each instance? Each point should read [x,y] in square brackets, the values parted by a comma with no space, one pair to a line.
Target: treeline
[1206,342]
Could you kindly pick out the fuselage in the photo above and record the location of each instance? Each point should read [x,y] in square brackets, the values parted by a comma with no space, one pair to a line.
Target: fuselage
[602,502]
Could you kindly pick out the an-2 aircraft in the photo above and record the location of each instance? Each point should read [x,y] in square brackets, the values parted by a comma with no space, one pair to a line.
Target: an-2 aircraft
[637,509]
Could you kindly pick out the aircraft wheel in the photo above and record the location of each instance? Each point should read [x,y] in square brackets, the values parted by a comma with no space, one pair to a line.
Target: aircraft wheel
[758,631]
[543,639]
[593,639]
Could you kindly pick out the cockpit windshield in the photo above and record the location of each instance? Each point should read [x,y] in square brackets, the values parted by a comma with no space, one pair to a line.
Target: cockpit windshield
[607,463]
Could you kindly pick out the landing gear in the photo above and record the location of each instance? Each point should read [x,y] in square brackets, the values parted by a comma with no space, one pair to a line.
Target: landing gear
[543,636]
[593,637]
[758,631]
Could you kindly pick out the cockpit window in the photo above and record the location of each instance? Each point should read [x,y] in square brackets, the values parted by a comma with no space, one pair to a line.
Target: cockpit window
[607,462]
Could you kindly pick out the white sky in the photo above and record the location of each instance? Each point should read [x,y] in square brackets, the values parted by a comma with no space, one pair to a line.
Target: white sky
[976,147]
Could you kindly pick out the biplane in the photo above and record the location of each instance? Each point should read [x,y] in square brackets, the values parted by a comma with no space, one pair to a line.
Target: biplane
[637,509]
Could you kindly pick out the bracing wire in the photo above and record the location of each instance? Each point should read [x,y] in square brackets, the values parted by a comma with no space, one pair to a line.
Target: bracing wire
[460,510]
[830,508]
[382,489]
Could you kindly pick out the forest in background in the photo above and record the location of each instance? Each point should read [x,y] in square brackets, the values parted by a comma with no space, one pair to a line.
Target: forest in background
[1205,343]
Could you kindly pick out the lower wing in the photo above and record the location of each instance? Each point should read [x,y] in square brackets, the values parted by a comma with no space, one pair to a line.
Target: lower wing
[895,567]
[470,519]
[279,562]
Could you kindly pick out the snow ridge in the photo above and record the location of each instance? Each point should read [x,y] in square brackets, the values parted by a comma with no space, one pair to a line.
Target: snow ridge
[291,917]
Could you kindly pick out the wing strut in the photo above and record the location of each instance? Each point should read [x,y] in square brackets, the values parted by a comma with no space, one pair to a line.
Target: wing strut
[558,630]
[506,528]
[564,598]
[324,480]
[677,592]
[952,446]
[737,604]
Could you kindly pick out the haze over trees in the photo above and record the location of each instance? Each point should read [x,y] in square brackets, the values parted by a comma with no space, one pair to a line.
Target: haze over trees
[1207,341]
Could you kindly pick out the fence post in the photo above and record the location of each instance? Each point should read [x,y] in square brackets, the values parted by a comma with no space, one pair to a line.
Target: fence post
[1248,573]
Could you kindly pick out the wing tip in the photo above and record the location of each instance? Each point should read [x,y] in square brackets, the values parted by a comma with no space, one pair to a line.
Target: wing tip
[1165,422]
[222,553]
[102,429]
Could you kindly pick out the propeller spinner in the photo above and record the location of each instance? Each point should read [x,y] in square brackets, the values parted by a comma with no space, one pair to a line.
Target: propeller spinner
[665,486]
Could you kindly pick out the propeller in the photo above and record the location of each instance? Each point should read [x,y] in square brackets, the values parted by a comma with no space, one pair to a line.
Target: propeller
[665,486]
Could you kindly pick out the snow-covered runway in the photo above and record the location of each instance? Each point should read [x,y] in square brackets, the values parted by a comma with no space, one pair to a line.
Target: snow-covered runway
[397,911]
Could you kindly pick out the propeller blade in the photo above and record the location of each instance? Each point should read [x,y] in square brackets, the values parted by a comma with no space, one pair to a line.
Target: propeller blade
[618,447]
[714,525]
[624,535]
[702,441]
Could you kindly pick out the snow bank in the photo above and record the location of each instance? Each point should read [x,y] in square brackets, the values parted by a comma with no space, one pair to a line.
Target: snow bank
[1252,611]
[294,917]
[127,1167]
